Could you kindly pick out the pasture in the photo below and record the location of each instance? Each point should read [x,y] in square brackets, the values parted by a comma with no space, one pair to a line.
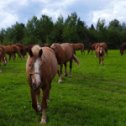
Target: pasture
[94,96]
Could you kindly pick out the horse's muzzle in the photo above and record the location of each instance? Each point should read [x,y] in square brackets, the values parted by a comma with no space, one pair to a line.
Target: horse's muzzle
[35,86]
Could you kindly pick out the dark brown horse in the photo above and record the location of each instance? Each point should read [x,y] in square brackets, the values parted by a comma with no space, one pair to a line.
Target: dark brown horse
[122,48]
[100,53]
[64,53]
[41,68]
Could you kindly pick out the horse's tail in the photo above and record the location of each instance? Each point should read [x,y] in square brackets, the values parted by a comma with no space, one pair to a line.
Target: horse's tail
[76,59]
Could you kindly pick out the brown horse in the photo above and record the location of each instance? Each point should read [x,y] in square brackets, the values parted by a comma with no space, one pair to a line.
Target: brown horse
[12,50]
[41,68]
[104,45]
[78,46]
[122,48]
[64,53]
[96,44]
[100,53]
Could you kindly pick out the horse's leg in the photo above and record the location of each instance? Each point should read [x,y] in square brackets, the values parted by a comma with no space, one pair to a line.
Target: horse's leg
[9,56]
[99,60]
[38,99]
[14,56]
[60,74]
[70,74]
[19,54]
[34,100]
[65,65]
[44,104]
[102,60]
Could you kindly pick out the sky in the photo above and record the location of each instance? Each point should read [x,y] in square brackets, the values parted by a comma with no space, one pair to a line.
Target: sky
[89,11]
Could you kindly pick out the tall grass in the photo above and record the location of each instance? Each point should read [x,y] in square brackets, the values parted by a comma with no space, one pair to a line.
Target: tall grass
[94,96]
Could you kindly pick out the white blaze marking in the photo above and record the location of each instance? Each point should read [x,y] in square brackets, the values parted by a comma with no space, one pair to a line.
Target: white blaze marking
[37,70]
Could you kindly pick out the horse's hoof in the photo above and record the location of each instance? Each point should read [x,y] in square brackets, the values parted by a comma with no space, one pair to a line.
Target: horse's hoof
[60,81]
[43,121]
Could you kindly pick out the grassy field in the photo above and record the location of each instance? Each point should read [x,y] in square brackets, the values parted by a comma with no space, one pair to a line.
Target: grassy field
[94,96]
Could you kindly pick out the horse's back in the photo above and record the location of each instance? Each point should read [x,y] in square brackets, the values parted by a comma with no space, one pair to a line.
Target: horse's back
[68,50]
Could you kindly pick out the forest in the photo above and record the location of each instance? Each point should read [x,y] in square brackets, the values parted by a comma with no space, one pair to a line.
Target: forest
[72,29]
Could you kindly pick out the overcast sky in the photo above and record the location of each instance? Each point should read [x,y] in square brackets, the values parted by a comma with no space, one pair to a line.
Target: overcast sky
[89,11]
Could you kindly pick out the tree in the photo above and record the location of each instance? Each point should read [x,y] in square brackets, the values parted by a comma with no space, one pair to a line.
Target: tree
[32,31]
[45,26]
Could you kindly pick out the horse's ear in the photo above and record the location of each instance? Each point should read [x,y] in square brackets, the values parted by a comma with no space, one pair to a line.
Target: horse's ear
[30,52]
[40,53]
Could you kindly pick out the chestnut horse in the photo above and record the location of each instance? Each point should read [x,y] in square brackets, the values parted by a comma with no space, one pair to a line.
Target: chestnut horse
[122,48]
[12,50]
[64,53]
[41,68]
[100,53]
[96,44]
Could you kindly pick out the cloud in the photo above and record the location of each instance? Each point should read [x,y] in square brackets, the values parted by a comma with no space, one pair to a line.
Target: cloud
[9,19]
[9,11]
[113,10]
[54,8]
[89,11]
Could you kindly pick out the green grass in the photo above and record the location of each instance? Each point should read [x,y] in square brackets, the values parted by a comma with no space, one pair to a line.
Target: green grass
[94,96]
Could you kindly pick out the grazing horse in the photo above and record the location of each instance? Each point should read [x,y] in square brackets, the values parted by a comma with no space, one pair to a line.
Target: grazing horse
[100,53]
[122,48]
[64,53]
[12,50]
[41,68]
[78,46]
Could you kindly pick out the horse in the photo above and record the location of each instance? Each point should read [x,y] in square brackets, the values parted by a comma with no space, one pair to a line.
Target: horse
[64,53]
[78,46]
[96,44]
[104,44]
[41,68]
[100,53]
[122,48]
[12,50]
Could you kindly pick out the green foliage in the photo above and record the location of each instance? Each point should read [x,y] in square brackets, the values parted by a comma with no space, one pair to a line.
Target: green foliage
[72,29]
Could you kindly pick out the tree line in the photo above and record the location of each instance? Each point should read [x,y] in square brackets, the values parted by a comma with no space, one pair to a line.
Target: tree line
[72,29]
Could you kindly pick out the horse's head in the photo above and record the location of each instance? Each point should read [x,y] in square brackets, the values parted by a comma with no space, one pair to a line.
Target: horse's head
[35,63]
[100,49]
